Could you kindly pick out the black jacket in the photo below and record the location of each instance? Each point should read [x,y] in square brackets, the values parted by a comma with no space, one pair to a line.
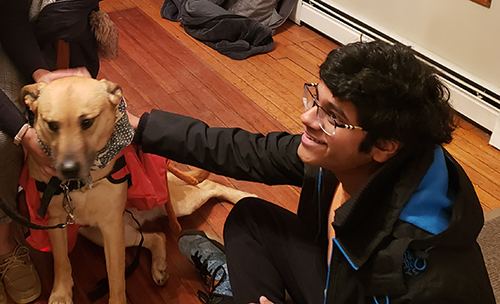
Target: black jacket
[69,21]
[372,243]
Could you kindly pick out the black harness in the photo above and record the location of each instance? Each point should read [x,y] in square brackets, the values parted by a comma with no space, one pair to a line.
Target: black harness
[54,187]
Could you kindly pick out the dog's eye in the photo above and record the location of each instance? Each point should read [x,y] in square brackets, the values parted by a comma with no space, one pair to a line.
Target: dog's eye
[87,123]
[53,126]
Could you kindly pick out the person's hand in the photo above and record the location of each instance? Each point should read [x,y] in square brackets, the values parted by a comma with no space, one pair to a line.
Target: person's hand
[30,143]
[263,300]
[42,75]
[134,120]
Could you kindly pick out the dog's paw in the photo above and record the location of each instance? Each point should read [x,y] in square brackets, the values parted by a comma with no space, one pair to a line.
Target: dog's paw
[159,271]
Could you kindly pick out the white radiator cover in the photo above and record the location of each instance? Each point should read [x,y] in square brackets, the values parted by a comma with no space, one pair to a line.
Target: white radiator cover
[466,98]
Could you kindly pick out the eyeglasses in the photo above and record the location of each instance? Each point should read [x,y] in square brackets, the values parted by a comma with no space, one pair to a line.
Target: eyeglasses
[327,121]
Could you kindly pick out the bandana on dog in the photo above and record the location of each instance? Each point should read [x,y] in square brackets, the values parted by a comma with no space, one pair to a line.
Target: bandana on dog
[122,136]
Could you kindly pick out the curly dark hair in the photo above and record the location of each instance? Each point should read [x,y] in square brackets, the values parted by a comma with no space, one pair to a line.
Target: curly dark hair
[397,96]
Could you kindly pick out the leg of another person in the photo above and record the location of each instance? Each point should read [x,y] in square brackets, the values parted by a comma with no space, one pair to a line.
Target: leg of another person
[11,161]
[269,250]
[19,276]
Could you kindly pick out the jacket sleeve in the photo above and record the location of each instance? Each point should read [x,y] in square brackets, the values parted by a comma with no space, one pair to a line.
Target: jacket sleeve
[11,119]
[17,37]
[233,152]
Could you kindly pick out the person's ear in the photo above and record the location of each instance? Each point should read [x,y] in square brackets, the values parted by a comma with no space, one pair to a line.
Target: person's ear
[385,149]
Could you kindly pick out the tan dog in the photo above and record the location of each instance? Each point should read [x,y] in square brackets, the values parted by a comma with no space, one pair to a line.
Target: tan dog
[74,118]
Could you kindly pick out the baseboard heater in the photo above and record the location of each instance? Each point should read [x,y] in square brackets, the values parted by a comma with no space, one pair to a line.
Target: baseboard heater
[469,98]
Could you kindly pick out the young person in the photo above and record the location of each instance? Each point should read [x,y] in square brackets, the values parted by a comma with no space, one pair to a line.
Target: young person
[386,215]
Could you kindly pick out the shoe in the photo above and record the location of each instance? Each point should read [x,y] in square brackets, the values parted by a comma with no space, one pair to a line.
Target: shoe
[209,258]
[3,296]
[19,276]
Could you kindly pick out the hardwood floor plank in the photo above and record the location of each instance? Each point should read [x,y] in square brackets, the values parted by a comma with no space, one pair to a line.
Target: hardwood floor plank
[471,161]
[295,33]
[313,76]
[136,100]
[479,147]
[162,76]
[287,78]
[299,57]
[310,48]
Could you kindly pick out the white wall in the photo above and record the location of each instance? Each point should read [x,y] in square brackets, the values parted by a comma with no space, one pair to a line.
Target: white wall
[461,32]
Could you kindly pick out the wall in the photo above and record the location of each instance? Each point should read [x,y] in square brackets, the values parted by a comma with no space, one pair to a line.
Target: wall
[461,32]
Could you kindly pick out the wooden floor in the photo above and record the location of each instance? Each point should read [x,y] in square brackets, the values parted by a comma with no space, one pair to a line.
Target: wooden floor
[161,67]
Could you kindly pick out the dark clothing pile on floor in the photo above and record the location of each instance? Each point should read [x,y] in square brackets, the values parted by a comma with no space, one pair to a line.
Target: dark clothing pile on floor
[235,28]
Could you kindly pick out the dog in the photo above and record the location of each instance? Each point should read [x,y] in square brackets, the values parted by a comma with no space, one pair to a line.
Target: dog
[75,119]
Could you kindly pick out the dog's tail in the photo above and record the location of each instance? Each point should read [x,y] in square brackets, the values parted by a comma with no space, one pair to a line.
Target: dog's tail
[193,177]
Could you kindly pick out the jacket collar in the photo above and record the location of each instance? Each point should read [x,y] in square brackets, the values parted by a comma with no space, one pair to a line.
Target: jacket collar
[379,205]
[366,219]
[429,208]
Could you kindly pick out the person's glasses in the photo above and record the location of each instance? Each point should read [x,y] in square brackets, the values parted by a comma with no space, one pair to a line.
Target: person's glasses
[327,121]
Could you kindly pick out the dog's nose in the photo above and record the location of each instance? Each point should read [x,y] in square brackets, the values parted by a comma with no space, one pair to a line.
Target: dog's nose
[70,169]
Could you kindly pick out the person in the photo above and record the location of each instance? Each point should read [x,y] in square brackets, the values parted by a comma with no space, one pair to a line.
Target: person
[386,215]
[21,62]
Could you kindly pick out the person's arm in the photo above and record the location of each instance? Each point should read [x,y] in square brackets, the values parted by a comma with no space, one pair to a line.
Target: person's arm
[14,124]
[233,152]
[11,119]
[17,38]
[30,143]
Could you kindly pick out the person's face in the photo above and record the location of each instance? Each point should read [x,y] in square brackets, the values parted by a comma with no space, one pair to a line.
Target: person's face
[339,152]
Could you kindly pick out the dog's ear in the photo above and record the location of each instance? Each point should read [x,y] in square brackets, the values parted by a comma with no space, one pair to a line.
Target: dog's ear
[30,93]
[114,90]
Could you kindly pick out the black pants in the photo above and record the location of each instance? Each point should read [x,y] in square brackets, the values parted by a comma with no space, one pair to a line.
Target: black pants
[269,250]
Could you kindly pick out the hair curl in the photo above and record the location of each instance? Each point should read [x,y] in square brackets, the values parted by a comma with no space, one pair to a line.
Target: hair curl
[397,96]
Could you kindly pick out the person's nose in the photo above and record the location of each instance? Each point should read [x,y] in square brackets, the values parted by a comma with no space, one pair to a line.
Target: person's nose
[310,119]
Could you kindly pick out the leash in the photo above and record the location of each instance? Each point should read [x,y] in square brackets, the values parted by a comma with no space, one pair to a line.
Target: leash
[14,215]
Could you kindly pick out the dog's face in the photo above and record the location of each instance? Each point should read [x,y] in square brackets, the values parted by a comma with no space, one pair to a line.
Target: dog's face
[74,117]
